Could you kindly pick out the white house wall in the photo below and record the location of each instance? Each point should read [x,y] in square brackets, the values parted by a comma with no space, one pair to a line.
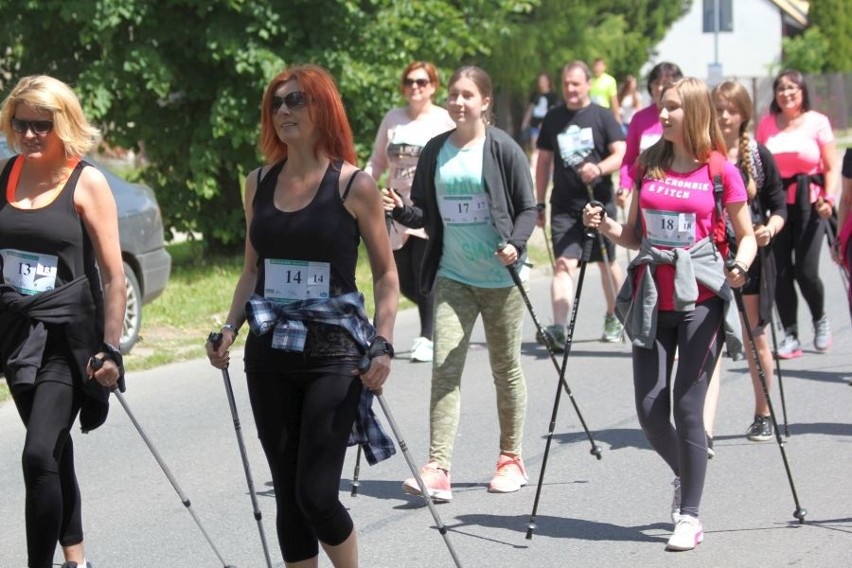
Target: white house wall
[750,50]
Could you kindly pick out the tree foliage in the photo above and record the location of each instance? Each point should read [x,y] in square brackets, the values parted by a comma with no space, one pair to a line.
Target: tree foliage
[834,21]
[623,32]
[182,79]
[806,52]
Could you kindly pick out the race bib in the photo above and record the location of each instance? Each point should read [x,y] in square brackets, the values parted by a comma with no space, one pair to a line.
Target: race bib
[290,280]
[575,145]
[667,228]
[29,273]
[465,209]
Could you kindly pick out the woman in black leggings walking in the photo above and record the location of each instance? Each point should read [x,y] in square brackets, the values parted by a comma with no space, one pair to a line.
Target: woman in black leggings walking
[61,301]
[677,295]
[802,142]
[306,211]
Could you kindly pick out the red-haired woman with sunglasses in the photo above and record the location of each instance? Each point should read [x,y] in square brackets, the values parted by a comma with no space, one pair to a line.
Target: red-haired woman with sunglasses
[61,301]
[402,135]
[306,211]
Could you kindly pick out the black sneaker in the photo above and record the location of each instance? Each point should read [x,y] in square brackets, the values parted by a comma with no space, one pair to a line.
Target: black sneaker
[760,430]
[710,451]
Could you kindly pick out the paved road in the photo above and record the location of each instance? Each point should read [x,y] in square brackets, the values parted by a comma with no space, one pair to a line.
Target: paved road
[611,512]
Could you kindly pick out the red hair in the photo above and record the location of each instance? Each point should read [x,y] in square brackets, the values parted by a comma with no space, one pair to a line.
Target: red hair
[325,107]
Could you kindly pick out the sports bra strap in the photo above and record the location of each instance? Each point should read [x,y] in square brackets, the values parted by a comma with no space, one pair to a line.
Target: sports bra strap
[349,185]
[15,165]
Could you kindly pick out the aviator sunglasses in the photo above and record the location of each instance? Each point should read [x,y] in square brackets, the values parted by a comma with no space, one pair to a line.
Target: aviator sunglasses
[294,101]
[419,82]
[39,127]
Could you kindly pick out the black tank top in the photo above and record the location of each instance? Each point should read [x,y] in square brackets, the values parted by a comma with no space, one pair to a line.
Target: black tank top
[55,229]
[322,231]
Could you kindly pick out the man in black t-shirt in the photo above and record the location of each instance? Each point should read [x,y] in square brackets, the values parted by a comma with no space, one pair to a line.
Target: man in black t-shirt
[582,144]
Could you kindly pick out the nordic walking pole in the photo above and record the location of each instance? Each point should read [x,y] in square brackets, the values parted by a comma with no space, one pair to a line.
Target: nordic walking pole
[420,483]
[778,372]
[610,279]
[831,236]
[96,363]
[799,513]
[560,369]
[624,216]
[764,290]
[363,367]
[216,339]
[549,246]
[587,251]
[356,483]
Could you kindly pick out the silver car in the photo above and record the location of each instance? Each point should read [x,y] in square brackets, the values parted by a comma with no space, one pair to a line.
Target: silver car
[146,263]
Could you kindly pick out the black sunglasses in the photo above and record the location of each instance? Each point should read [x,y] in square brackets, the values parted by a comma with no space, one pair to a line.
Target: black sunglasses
[294,101]
[40,127]
[419,82]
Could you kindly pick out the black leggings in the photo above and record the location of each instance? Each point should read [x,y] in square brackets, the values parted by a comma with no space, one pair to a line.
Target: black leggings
[698,338]
[797,251]
[52,505]
[303,421]
[409,260]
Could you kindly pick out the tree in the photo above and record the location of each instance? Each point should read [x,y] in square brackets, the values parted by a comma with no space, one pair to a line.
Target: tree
[623,32]
[834,21]
[182,79]
[806,52]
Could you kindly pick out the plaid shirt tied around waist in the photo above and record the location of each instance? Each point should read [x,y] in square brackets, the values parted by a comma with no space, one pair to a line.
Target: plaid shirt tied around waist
[289,333]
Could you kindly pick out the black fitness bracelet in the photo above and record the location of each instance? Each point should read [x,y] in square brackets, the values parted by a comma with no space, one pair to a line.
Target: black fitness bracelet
[379,347]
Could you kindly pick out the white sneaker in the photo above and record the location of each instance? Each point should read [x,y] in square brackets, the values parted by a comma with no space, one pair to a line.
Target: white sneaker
[688,532]
[676,501]
[421,350]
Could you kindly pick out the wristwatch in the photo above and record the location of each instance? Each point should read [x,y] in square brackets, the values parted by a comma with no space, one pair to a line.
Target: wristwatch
[540,206]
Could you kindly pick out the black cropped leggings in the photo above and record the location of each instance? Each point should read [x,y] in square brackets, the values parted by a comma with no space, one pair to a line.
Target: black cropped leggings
[303,420]
[698,337]
[52,504]
[797,250]
[409,260]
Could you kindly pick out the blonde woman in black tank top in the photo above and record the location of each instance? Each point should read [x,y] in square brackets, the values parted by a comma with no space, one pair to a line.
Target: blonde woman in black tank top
[57,220]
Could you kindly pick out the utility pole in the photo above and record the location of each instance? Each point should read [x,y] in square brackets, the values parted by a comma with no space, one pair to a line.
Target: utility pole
[714,70]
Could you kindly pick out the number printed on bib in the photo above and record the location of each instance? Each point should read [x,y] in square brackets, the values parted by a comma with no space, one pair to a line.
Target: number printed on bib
[465,209]
[667,228]
[29,273]
[291,280]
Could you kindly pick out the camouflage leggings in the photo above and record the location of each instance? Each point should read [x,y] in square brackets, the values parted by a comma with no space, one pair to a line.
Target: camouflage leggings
[457,306]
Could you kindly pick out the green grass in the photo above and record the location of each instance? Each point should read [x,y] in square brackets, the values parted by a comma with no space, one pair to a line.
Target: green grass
[196,301]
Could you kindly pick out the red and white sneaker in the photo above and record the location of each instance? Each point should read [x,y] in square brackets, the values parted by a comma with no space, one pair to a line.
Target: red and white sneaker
[510,476]
[437,482]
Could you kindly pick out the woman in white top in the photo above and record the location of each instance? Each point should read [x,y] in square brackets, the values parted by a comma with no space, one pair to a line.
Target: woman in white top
[403,133]
[629,101]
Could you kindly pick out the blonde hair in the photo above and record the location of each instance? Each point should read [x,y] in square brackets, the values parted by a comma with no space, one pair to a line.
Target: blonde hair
[44,93]
[701,133]
[733,92]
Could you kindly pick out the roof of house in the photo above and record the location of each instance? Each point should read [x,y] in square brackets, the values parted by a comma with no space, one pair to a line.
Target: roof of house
[796,10]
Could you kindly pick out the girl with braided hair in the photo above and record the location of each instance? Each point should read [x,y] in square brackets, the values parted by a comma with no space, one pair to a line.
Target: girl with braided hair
[768,213]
